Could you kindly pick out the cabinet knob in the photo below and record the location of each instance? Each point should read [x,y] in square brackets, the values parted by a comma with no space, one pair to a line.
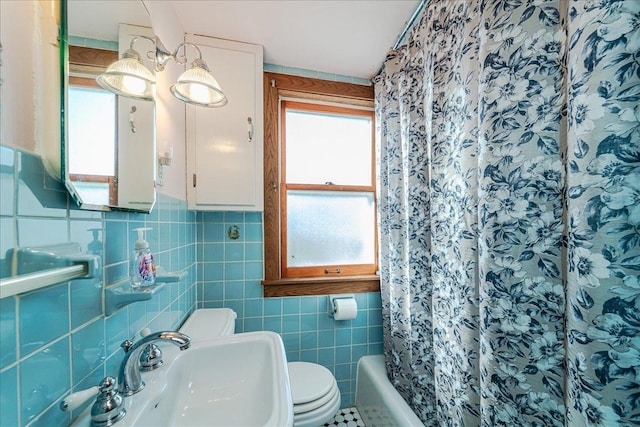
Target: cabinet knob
[250,128]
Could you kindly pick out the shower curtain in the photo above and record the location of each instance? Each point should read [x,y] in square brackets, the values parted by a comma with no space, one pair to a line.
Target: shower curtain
[509,213]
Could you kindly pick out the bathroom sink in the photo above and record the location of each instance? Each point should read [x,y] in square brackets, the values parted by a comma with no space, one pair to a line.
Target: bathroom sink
[235,380]
[238,380]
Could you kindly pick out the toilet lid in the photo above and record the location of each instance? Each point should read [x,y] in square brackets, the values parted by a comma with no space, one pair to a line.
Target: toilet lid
[309,381]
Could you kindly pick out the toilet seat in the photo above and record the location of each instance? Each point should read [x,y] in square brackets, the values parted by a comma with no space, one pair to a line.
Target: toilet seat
[310,406]
[309,381]
[318,416]
[315,394]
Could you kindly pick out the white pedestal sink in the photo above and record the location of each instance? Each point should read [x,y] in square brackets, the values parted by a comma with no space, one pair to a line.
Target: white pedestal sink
[236,380]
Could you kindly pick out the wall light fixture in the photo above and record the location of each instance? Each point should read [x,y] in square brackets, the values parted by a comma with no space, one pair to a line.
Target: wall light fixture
[129,77]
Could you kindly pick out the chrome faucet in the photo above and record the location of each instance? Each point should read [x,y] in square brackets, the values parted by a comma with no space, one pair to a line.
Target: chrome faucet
[129,380]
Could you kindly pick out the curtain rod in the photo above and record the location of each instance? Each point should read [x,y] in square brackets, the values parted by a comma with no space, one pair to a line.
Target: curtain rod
[407,27]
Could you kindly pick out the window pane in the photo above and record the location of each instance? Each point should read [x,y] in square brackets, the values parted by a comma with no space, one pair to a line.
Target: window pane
[92,131]
[329,228]
[323,148]
[93,193]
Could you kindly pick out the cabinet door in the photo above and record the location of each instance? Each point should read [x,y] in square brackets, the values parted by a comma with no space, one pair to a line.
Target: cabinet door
[224,145]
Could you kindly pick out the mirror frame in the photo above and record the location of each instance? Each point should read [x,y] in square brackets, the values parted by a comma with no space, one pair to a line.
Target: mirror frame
[64,120]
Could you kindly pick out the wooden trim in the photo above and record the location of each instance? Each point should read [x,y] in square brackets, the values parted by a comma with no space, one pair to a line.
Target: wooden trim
[346,270]
[335,111]
[282,226]
[328,109]
[271,182]
[91,178]
[89,56]
[309,85]
[113,191]
[89,62]
[362,103]
[331,187]
[321,286]
[276,86]
[84,82]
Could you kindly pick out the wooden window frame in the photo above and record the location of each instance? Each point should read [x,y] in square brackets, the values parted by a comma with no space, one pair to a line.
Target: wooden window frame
[326,270]
[90,61]
[276,87]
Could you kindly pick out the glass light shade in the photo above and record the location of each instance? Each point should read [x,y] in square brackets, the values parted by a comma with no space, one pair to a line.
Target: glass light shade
[197,86]
[129,77]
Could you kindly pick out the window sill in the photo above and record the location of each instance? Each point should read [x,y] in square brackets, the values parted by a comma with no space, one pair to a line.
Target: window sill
[320,286]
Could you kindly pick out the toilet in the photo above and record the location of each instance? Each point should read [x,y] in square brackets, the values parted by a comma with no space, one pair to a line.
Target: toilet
[209,323]
[314,390]
[315,393]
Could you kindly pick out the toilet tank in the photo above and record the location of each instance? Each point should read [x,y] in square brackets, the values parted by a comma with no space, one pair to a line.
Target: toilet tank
[210,323]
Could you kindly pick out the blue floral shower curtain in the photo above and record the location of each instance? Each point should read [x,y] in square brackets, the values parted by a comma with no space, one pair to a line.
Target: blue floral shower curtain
[509,209]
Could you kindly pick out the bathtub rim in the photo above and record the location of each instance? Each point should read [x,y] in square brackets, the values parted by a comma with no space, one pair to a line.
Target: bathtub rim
[372,368]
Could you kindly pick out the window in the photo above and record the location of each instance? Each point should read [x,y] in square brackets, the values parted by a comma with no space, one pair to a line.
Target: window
[328,206]
[320,216]
[92,155]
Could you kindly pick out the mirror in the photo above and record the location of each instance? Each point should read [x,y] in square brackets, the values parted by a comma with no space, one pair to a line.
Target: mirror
[108,149]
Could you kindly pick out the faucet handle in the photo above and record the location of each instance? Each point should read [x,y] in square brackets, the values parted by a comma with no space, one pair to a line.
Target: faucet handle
[150,358]
[74,400]
[109,405]
[126,345]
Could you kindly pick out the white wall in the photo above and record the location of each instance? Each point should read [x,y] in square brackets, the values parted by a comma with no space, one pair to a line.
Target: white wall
[170,112]
[30,92]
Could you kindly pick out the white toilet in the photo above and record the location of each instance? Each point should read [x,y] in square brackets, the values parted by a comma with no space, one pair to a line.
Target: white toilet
[209,323]
[314,390]
[315,393]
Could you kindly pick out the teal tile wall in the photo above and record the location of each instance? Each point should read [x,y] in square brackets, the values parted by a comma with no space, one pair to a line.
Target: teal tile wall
[230,276]
[64,327]
[57,340]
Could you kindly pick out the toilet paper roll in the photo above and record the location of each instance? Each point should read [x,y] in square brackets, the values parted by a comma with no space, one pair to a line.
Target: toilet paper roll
[345,308]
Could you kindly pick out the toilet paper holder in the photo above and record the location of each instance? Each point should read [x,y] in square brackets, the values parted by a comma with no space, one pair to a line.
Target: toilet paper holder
[331,298]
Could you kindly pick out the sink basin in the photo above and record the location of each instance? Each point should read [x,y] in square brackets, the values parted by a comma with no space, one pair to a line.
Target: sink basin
[236,380]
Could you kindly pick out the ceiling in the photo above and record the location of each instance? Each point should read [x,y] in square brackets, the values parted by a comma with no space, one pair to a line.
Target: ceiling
[348,37]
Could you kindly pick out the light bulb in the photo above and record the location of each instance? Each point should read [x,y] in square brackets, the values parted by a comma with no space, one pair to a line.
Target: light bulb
[133,85]
[199,93]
